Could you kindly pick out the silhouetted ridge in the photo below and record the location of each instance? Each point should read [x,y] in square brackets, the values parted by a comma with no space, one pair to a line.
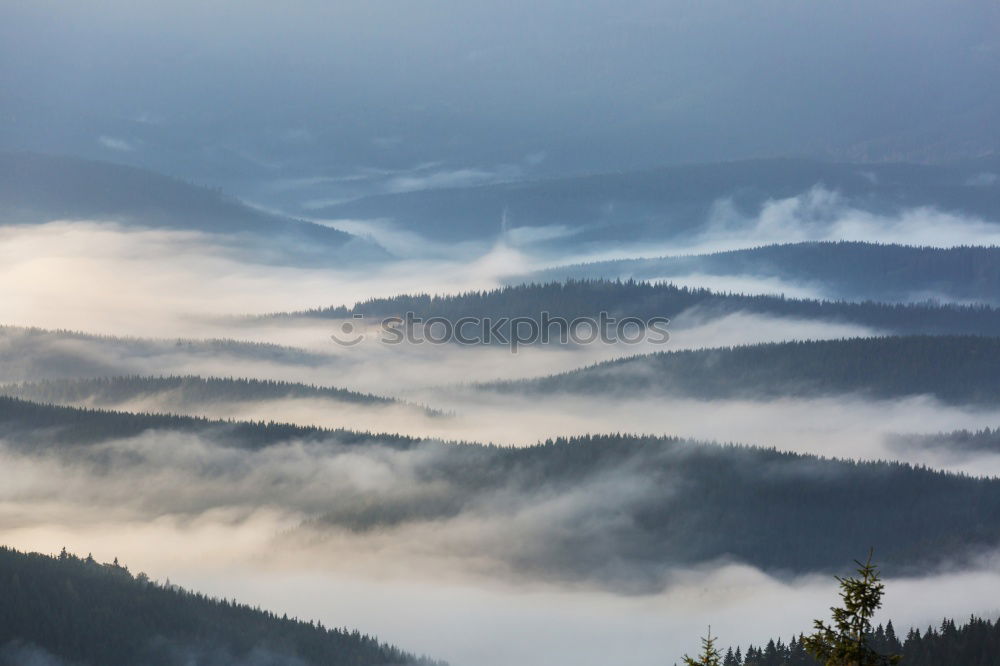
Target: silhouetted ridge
[93,614]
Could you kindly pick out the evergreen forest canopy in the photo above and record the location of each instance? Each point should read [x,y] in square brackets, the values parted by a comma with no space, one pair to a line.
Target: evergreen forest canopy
[588,298]
[33,354]
[189,389]
[976,642]
[848,270]
[953,369]
[688,503]
[53,610]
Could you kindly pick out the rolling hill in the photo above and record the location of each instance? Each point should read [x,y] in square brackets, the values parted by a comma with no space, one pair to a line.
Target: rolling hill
[41,188]
[33,354]
[67,610]
[841,270]
[186,392]
[589,298]
[638,506]
[954,369]
[671,202]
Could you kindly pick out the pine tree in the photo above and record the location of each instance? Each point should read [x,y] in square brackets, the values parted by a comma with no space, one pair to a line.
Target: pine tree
[710,655]
[846,643]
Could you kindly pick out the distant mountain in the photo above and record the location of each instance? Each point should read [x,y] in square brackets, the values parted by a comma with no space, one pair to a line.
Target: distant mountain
[589,298]
[32,354]
[51,427]
[956,443]
[638,506]
[41,188]
[841,270]
[68,611]
[183,391]
[955,369]
[673,202]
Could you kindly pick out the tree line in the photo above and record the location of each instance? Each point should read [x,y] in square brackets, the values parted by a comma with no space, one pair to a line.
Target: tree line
[955,369]
[631,298]
[689,502]
[86,612]
[845,269]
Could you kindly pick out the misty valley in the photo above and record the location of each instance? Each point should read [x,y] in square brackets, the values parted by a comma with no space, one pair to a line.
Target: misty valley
[499,334]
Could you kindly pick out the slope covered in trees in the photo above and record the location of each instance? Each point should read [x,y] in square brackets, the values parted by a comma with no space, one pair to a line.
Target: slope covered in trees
[986,440]
[30,425]
[80,612]
[639,505]
[31,354]
[588,298]
[188,389]
[957,369]
[842,270]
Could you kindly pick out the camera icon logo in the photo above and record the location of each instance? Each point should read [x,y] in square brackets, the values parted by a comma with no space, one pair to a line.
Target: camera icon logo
[350,333]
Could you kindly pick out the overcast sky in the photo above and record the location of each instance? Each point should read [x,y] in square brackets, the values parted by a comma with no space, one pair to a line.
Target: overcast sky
[218,90]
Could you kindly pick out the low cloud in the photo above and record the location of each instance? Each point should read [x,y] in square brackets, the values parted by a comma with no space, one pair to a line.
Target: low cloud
[450,178]
[819,214]
[115,143]
[824,215]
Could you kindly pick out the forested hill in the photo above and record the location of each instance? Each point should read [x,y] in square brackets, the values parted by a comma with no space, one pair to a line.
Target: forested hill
[41,188]
[588,298]
[975,643]
[31,354]
[958,442]
[642,505]
[69,611]
[956,369]
[842,270]
[672,202]
[33,425]
[188,389]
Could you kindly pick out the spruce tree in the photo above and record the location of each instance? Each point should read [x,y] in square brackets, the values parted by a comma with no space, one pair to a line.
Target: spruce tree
[847,641]
[710,655]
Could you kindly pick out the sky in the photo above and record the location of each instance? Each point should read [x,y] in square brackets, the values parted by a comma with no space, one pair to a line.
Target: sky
[388,95]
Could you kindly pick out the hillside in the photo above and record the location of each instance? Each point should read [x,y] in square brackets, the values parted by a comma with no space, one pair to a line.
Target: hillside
[955,443]
[640,506]
[667,203]
[109,391]
[33,354]
[842,270]
[73,611]
[588,298]
[954,369]
[40,426]
[40,188]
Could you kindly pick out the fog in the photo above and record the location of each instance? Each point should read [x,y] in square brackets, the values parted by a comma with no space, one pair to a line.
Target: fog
[242,523]
[103,278]
[823,214]
[472,624]
[844,426]
[818,214]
